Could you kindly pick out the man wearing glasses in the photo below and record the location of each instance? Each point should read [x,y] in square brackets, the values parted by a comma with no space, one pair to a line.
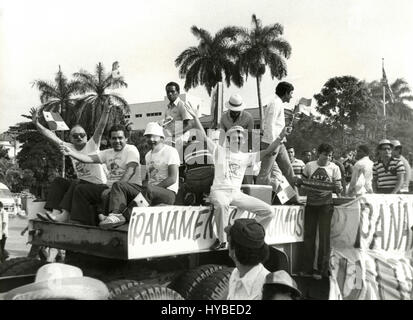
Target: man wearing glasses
[59,198]
[388,172]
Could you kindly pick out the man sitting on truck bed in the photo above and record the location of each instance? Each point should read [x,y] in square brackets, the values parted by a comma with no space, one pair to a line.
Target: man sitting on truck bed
[59,198]
[230,166]
[122,162]
[161,185]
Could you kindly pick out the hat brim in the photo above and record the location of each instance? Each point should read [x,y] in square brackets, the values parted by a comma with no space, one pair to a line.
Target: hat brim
[241,107]
[83,288]
[283,285]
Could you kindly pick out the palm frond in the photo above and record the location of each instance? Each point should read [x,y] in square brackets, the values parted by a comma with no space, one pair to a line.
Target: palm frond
[202,34]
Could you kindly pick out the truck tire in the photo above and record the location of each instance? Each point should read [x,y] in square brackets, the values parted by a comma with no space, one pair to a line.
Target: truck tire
[117,287]
[149,292]
[185,283]
[214,287]
[21,266]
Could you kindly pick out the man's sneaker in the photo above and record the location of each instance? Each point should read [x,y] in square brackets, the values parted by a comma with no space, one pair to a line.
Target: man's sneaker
[217,245]
[112,220]
[101,217]
[61,217]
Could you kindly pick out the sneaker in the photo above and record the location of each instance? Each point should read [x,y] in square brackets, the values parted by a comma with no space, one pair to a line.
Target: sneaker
[112,220]
[217,245]
[101,217]
[61,217]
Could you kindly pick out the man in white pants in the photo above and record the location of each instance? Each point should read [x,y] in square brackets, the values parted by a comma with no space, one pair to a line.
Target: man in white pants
[230,165]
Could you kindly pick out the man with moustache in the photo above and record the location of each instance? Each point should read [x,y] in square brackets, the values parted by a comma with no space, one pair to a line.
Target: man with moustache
[122,162]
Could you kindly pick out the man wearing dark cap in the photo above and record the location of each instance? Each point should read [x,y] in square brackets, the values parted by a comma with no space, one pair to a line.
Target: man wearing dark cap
[280,286]
[248,250]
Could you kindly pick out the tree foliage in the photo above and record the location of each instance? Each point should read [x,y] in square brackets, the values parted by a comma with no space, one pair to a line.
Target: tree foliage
[212,61]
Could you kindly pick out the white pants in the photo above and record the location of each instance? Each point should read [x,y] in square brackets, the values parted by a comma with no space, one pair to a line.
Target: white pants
[222,199]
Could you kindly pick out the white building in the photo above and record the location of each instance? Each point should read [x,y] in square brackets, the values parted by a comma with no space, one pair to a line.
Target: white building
[142,113]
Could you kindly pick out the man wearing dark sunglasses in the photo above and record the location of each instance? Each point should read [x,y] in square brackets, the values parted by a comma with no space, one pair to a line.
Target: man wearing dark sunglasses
[388,172]
[59,200]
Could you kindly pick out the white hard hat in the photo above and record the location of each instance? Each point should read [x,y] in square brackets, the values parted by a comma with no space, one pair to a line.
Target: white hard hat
[385,141]
[155,129]
[396,143]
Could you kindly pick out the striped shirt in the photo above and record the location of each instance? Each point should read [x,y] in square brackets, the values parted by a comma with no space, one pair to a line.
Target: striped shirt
[298,167]
[386,175]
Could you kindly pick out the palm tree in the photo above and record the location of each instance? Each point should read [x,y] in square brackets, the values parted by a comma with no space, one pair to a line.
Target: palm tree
[213,60]
[58,96]
[259,47]
[95,88]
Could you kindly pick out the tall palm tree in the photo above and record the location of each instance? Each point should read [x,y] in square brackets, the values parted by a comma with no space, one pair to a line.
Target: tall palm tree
[58,96]
[95,88]
[212,61]
[402,94]
[262,46]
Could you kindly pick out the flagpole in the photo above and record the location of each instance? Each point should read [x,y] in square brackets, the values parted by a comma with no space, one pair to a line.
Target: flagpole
[384,104]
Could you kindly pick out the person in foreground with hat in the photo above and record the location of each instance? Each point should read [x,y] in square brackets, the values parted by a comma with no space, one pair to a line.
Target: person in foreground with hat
[280,286]
[397,154]
[388,172]
[58,281]
[122,162]
[230,166]
[249,251]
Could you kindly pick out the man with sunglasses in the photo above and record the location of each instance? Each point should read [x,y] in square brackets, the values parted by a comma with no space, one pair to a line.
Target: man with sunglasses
[388,172]
[59,198]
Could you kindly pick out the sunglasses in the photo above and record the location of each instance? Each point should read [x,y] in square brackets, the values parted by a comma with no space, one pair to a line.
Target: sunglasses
[78,135]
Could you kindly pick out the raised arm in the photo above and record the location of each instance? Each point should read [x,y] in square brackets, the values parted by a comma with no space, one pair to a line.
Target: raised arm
[97,135]
[275,144]
[92,158]
[50,135]
[197,124]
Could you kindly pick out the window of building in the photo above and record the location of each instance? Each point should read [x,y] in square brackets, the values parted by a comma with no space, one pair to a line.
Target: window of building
[154,114]
[138,115]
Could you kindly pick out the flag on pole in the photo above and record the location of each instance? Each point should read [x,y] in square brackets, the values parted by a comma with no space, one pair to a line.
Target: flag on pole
[55,121]
[386,85]
[115,70]
[286,192]
[305,106]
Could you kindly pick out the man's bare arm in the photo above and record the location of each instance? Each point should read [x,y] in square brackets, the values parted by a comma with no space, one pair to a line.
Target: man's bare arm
[85,158]
[132,170]
[97,135]
[171,179]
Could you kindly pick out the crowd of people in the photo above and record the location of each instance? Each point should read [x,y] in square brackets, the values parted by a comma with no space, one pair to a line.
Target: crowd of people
[205,167]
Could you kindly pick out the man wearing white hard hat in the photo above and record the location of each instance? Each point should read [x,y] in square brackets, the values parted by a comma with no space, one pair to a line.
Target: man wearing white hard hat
[397,153]
[162,167]
[123,164]
[57,281]
[388,172]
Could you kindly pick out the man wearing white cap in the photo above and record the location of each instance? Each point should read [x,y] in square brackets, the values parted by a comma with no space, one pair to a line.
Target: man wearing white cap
[388,172]
[397,154]
[236,115]
[123,164]
[230,166]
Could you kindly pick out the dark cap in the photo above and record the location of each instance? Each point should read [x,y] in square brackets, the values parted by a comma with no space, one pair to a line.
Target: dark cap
[247,232]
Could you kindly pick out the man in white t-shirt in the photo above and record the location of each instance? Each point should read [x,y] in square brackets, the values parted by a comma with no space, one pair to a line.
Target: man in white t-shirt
[161,186]
[122,163]
[60,194]
[4,232]
[230,165]
[362,176]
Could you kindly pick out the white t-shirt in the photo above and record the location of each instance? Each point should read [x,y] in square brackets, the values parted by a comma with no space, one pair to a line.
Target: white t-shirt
[249,287]
[230,168]
[4,218]
[91,172]
[157,165]
[117,161]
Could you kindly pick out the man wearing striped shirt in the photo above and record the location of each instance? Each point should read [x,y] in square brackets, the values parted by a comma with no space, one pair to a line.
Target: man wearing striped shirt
[298,165]
[388,172]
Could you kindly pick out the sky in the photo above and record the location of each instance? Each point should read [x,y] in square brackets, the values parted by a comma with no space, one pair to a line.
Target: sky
[328,38]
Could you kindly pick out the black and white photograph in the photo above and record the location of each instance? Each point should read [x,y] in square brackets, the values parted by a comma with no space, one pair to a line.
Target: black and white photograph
[206,150]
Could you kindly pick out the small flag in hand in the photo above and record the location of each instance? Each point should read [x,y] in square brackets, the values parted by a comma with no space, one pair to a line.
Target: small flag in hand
[55,121]
[286,193]
[140,200]
[304,106]
[115,70]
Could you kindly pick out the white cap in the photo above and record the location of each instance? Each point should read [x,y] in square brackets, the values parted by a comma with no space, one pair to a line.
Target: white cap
[396,143]
[155,129]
